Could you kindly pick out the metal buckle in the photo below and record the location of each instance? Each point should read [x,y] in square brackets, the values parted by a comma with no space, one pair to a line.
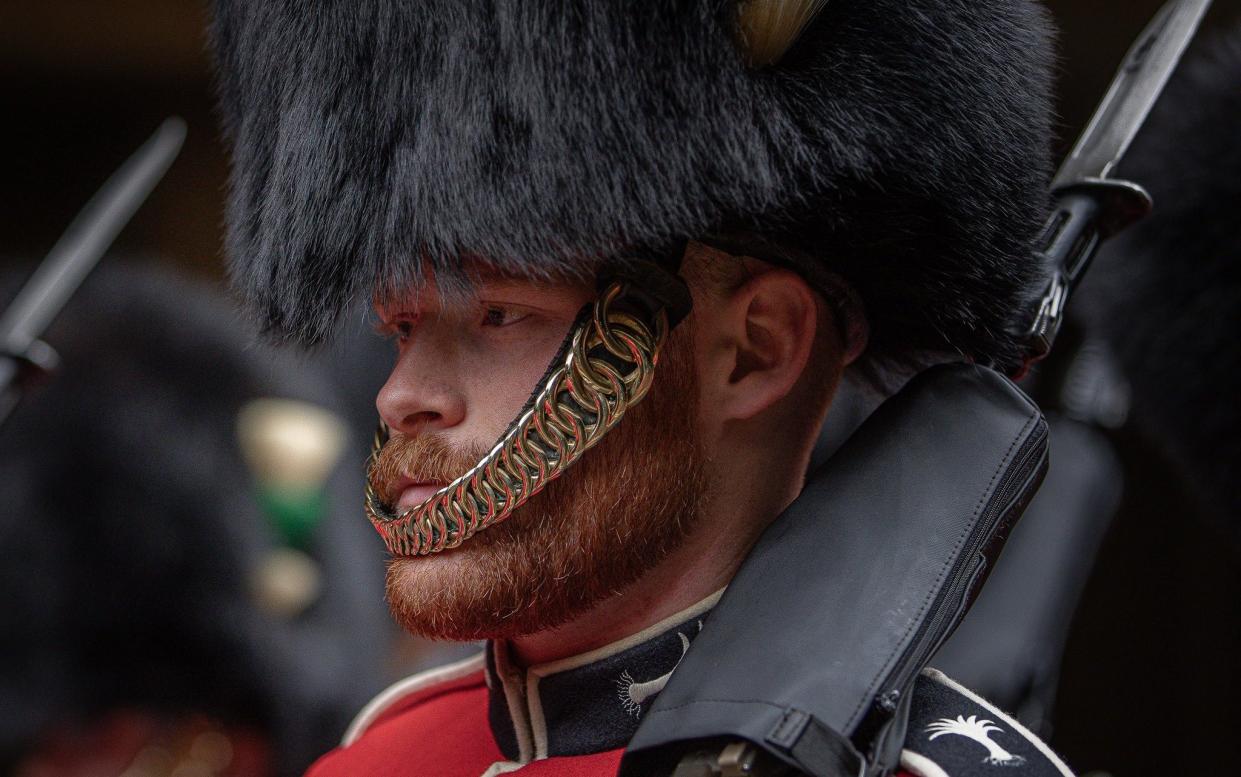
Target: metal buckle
[734,759]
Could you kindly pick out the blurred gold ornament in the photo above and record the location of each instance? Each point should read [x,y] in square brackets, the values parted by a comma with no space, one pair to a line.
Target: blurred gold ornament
[768,28]
[291,448]
[289,443]
[286,582]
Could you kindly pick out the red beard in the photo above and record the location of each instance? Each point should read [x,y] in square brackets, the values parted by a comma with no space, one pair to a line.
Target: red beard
[627,504]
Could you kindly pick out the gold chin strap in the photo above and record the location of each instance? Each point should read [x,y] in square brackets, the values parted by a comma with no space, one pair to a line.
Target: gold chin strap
[606,370]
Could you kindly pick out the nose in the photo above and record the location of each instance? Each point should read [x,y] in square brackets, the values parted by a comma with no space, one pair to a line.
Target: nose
[419,395]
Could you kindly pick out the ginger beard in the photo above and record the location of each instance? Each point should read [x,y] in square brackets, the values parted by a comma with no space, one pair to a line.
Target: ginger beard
[620,510]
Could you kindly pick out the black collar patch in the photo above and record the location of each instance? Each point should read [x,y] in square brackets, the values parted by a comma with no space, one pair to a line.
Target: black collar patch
[955,733]
[589,703]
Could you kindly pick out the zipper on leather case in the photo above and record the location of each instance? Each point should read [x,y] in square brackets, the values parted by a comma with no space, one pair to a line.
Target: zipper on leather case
[1015,488]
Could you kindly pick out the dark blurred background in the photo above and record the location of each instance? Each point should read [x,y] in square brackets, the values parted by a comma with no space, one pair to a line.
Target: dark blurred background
[1150,676]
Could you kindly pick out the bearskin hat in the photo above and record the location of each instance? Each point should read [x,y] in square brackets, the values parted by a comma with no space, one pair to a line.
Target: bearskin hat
[1166,295]
[903,143]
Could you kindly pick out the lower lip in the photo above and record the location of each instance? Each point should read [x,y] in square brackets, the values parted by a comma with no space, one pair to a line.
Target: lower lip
[416,495]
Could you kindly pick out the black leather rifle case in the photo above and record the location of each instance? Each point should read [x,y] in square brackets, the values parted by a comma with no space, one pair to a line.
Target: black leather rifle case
[813,650]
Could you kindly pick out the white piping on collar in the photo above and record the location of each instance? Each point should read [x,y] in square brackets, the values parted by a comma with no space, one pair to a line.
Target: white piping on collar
[654,630]
[511,681]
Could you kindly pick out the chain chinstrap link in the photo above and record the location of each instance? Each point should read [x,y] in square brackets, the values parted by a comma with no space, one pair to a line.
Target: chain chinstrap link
[607,369]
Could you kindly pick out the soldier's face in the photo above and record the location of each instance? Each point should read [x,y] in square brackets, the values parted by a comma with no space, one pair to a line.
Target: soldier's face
[463,371]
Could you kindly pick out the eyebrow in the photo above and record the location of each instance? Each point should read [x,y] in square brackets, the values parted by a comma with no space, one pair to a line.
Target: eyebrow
[468,284]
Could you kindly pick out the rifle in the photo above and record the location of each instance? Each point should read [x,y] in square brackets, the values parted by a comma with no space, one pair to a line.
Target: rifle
[24,358]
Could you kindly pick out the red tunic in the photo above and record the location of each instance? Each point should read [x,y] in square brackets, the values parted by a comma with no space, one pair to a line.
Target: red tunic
[573,717]
[441,729]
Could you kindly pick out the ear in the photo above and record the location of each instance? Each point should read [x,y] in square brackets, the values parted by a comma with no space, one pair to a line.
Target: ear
[769,327]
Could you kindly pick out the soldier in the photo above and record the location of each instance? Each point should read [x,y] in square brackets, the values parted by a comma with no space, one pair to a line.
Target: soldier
[627,253]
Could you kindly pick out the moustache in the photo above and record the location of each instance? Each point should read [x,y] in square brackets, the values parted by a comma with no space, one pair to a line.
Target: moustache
[422,458]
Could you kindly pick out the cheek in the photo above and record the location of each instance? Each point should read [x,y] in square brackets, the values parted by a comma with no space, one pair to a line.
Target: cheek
[504,372]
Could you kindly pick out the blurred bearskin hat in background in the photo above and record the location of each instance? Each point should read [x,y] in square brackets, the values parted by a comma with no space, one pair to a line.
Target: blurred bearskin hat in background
[132,539]
[1166,294]
[374,144]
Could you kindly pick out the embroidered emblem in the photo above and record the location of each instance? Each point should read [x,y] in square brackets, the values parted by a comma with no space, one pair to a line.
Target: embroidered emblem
[980,732]
[632,694]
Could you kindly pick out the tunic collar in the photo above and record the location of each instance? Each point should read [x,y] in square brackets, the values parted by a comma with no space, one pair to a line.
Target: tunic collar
[587,703]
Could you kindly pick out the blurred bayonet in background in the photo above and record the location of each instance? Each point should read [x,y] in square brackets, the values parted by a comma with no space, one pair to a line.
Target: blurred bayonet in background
[22,354]
[1088,206]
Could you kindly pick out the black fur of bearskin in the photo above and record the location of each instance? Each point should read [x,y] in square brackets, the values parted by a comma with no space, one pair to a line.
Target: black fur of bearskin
[903,142]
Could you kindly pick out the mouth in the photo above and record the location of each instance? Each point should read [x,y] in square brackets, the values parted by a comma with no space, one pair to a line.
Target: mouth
[411,492]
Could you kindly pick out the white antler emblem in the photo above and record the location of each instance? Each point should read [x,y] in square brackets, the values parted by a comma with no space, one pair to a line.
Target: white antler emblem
[980,732]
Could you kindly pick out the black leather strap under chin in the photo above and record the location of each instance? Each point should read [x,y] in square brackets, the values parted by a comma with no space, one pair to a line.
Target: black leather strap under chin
[654,285]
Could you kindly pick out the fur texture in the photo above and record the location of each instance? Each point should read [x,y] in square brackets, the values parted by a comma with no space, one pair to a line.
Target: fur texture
[1167,294]
[903,142]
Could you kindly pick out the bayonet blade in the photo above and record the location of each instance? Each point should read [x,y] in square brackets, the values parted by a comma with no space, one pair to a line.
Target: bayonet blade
[87,238]
[1133,93]
[1088,206]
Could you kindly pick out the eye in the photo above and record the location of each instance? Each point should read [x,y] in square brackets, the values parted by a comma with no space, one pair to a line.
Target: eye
[399,330]
[498,316]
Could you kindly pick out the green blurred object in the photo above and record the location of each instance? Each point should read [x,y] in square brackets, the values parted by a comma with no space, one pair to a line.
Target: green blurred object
[294,511]
[291,447]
